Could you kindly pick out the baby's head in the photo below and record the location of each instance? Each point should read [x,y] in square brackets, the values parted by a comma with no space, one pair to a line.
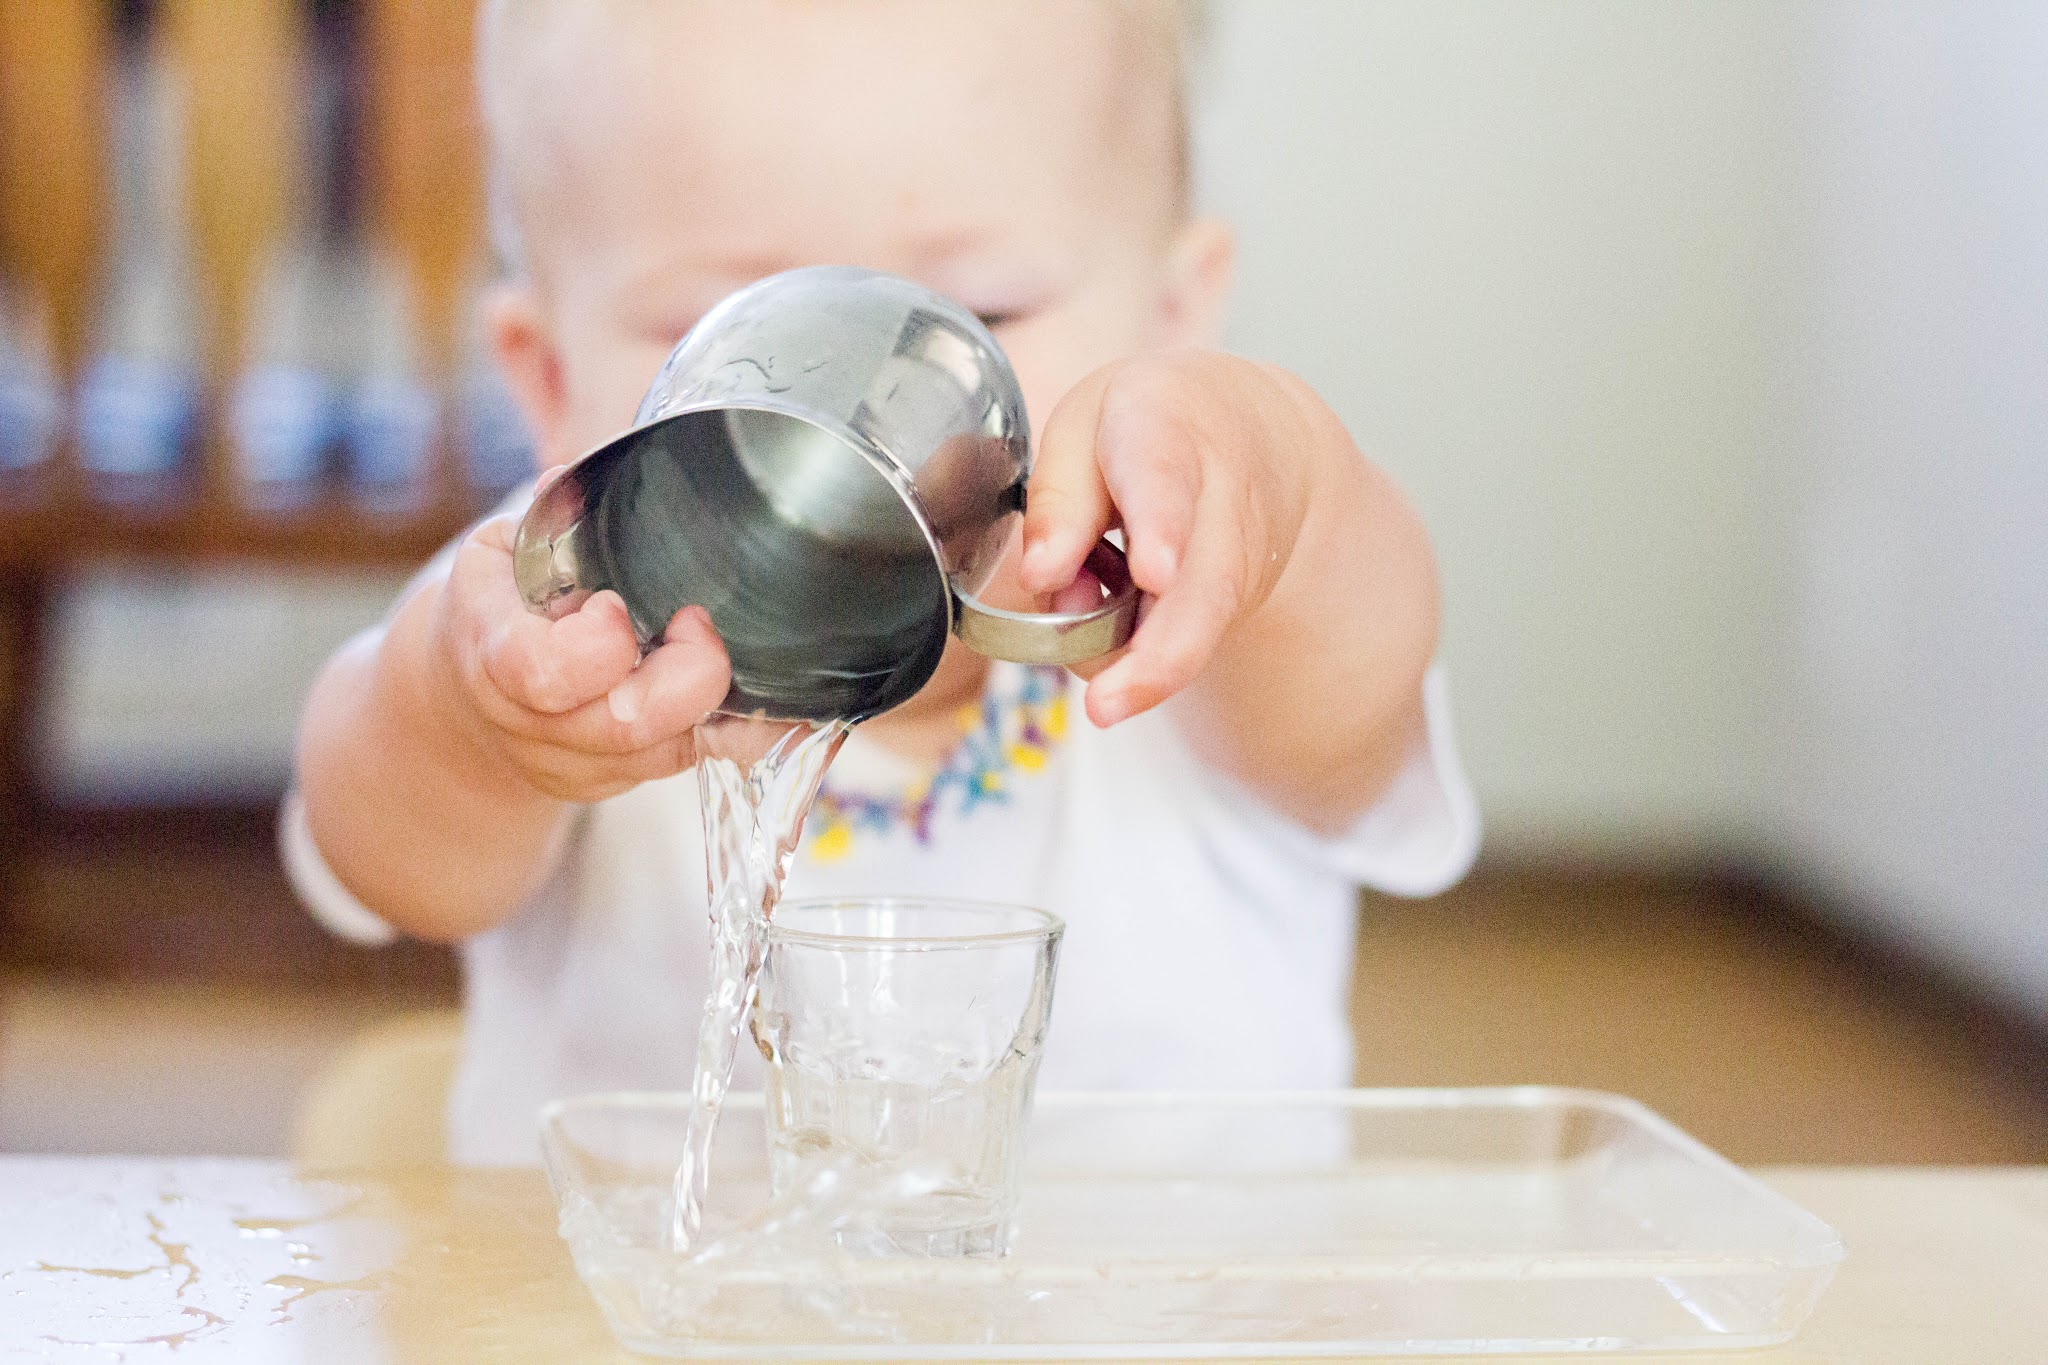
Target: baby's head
[1027,157]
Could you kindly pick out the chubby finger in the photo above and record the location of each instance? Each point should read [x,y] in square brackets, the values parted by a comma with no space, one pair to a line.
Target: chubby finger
[672,689]
[553,667]
[1084,594]
[679,683]
[545,666]
[654,709]
[1180,629]
[1068,506]
[1152,467]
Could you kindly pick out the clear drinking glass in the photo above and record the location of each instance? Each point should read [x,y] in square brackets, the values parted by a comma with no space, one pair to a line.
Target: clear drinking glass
[902,1039]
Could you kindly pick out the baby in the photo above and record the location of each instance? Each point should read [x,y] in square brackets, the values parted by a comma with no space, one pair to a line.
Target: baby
[1271,738]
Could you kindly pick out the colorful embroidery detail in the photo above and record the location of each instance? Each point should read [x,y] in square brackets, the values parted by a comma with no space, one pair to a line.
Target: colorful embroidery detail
[1004,735]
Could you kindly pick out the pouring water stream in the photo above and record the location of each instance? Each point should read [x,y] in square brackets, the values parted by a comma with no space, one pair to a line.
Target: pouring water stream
[756,779]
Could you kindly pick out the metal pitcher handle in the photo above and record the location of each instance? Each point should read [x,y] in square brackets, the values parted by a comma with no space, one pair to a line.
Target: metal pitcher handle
[1059,637]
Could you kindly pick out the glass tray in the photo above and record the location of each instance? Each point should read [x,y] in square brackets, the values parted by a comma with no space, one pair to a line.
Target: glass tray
[1341,1223]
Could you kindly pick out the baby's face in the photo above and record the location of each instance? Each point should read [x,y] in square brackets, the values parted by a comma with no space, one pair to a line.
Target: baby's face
[1001,152]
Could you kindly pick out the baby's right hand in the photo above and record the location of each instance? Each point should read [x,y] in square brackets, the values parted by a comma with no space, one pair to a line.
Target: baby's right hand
[569,706]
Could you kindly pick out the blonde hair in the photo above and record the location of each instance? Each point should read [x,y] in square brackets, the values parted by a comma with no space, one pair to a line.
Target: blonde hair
[510,34]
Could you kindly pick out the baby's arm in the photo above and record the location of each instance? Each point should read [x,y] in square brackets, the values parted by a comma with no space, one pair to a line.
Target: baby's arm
[1294,607]
[440,757]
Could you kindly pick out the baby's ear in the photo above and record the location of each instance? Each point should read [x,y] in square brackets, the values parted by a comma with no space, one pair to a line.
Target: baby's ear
[1199,266]
[530,361]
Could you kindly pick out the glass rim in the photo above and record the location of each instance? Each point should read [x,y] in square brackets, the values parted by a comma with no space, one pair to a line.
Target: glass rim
[1044,925]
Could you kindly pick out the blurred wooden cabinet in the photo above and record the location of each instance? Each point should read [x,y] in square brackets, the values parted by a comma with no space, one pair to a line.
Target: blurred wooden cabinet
[242,64]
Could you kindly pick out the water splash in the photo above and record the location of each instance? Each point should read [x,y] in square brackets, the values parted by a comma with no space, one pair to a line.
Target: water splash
[785,1261]
[177,1255]
[278,1227]
[757,779]
[101,1272]
[834,1203]
[210,1323]
[298,1288]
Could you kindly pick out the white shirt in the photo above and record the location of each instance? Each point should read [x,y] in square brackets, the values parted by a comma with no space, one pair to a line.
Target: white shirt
[1208,942]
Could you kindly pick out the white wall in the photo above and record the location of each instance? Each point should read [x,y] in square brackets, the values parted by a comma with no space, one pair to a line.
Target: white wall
[1916,763]
[1533,254]
[1713,340]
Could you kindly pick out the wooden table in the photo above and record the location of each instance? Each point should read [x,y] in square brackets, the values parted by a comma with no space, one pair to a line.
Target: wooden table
[196,1261]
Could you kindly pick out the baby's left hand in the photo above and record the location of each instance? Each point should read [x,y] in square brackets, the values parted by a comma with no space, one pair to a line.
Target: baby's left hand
[1209,463]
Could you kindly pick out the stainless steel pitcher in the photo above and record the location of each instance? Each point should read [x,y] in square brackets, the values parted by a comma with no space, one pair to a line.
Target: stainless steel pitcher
[830,463]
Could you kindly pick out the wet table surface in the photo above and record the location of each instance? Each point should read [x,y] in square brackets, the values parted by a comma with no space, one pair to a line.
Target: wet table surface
[193,1261]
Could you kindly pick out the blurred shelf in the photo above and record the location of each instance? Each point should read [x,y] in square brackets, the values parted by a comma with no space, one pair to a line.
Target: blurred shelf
[53,522]
[245,157]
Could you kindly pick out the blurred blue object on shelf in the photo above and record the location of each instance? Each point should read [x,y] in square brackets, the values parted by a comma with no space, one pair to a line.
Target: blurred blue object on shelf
[31,410]
[392,421]
[393,414]
[282,419]
[139,400]
[285,412]
[138,418]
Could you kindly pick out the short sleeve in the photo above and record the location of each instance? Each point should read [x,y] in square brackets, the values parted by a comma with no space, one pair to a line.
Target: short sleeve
[1422,834]
[319,890]
[1418,839]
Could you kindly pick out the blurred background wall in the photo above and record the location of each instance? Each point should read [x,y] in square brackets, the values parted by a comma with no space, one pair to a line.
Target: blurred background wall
[1536,256]
[1713,340]
[1710,339]
[1911,772]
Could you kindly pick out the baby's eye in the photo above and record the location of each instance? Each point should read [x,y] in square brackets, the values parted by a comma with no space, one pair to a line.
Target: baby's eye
[993,321]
